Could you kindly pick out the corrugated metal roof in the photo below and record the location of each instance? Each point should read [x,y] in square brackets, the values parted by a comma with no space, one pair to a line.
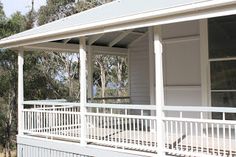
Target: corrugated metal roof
[110,11]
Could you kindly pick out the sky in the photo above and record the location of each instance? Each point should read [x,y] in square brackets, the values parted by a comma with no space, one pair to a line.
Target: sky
[11,6]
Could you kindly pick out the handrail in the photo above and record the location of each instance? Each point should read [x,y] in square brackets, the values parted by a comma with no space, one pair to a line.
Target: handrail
[54,108]
[54,103]
[122,106]
[134,106]
[108,98]
[46,111]
[121,116]
[199,109]
[197,120]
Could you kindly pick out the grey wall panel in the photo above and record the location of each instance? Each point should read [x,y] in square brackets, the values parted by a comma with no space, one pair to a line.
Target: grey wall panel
[182,65]
[182,75]
[139,72]
[33,151]
[40,147]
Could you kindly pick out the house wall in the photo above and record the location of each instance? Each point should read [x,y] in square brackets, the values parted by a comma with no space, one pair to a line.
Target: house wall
[139,72]
[182,65]
[35,151]
[39,147]
[182,76]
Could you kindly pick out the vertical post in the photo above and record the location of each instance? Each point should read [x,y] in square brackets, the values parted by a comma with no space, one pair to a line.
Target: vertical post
[151,66]
[83,91]
[20,92]
[158,50]
[205,67]
[90,74]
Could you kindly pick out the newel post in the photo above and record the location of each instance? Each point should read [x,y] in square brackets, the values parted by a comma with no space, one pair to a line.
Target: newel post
[158,50]
[20,92]
[83,91]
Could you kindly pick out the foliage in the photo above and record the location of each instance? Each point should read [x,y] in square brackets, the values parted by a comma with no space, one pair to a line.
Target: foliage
[50,75]
[8,84]
[54,10]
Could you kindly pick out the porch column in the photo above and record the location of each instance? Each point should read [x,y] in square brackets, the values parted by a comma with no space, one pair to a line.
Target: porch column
[151,66]
[90,74]
[83,91]
[20,92]
[159,90]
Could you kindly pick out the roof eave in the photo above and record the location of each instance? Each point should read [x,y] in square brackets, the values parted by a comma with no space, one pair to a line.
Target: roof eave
[183,13]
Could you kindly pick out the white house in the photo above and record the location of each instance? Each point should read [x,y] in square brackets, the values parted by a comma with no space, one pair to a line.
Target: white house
[182,72]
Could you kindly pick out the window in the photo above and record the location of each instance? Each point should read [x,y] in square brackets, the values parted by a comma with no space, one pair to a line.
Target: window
[222,58]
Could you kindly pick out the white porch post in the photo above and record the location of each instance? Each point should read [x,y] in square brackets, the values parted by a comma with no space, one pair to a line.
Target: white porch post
[159,90]
[90,74]
[151,68]
[83,91]
[20,92]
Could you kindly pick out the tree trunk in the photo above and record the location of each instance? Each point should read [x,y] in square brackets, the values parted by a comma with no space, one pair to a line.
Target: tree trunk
[103,82]
[120,62]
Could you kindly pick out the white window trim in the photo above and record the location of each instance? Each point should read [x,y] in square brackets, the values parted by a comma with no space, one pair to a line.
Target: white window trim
[205,65]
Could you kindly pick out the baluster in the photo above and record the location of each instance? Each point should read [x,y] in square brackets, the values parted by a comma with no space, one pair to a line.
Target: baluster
[230,140]
[181,131]
[224,143]
[212,139]
[202,136]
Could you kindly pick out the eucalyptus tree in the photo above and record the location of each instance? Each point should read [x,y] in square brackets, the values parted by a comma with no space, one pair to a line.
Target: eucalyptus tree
[8,82]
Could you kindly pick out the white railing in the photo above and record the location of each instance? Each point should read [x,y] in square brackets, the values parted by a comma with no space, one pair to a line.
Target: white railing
[193,131]
[52,119]
[189,131]
[122,126]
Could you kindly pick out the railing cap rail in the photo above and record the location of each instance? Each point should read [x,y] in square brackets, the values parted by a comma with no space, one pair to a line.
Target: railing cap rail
[122,106]
[199,109]
[54,103]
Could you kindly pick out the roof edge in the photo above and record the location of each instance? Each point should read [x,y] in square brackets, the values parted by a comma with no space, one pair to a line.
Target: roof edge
[99,27]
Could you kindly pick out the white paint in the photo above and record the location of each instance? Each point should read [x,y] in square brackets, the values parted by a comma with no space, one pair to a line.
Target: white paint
[73,48]
[181,39]
[83,89]
[70,147]
[20,91]
[158,50]
[138,39]
[205,67]
[182,65]
[139,72]
[151,66]
[119,38]
[90,73]
[94,38]
[205,9]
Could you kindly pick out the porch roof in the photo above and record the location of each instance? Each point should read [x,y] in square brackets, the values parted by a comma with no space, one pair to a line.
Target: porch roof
[114,16]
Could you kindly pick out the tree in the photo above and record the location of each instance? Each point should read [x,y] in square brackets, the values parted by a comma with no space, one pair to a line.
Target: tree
[46,75]
[8,83]
[54,10]
[31,17]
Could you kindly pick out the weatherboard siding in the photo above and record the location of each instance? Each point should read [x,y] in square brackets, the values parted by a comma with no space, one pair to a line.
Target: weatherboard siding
[182,76]
[139,72]
[182,65]
[33,151]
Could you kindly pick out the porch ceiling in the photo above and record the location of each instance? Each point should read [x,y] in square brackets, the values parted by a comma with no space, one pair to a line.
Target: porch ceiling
[114,16]
[121,39]
[115,42]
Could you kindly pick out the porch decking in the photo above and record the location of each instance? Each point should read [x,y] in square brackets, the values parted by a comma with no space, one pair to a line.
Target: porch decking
[133,127]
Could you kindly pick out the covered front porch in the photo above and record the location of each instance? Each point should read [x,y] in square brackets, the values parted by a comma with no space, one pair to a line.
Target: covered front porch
[182,88]
[169,109]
